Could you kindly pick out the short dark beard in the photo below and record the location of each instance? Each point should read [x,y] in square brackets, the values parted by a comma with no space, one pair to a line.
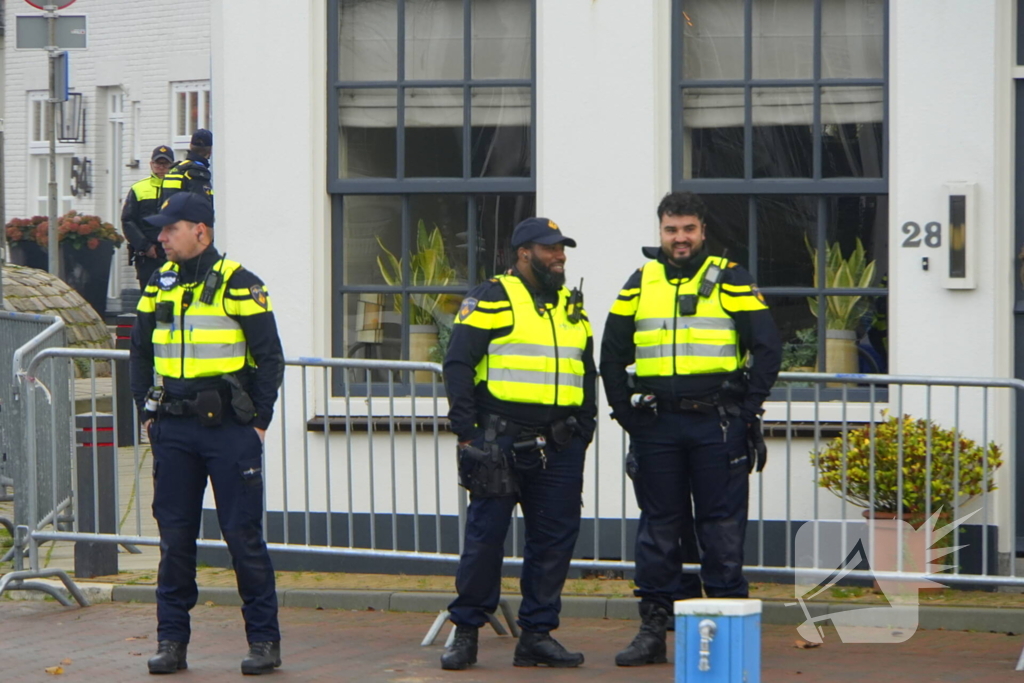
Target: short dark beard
[549,282]
[694,254]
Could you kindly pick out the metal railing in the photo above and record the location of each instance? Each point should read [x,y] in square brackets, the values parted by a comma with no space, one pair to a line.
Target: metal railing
[359,464]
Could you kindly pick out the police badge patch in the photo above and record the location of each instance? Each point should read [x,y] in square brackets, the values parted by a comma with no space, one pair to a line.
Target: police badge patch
[758,294]
[168,280]
[259,296]
[467,307]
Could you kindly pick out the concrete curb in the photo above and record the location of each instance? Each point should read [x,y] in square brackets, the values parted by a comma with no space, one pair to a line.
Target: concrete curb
[982,619]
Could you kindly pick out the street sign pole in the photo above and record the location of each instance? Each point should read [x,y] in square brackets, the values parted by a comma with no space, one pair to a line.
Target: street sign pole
[51,125]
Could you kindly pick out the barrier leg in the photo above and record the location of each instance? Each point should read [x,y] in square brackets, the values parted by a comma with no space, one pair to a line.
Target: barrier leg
[1020,661]
[435,628]
[17,581]
[442,616]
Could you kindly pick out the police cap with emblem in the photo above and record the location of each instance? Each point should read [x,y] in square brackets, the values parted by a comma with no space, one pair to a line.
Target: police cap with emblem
[163,152]
[184,206]
[540,231]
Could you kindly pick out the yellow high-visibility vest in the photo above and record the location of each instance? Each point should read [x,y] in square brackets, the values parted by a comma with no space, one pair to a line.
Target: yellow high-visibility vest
[671,344]
[541,359]
[201,340]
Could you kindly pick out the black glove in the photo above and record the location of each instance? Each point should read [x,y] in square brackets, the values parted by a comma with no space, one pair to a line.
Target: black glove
[757,450]
[633,419]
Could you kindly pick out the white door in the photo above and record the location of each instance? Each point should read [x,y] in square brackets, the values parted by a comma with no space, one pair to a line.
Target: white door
[115,195]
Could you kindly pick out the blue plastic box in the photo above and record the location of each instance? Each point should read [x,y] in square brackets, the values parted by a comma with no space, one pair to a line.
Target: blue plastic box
[718,640]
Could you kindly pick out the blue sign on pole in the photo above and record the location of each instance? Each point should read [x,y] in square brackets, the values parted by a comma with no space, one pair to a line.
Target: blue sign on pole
[61,75]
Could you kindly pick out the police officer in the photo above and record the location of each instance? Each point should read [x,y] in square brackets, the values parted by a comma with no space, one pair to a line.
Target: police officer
[209,418]
[521,385]
[193,173]
[144,200]
[707,350]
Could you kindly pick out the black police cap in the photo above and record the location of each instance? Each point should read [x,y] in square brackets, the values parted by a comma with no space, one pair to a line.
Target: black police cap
[541,231]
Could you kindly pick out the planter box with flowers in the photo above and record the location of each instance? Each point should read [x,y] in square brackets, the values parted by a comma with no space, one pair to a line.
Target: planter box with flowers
[87,244]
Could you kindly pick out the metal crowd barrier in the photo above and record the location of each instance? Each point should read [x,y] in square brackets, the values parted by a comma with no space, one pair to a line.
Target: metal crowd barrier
[382,487]
[36,441]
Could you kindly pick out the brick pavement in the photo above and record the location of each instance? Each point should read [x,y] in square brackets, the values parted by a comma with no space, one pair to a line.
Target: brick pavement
[366,646]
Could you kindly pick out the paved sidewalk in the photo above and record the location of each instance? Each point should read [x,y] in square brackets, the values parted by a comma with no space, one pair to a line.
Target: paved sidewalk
[111,642]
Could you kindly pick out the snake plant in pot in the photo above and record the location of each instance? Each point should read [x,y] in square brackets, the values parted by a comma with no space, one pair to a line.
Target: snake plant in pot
[843,312]
[430,314]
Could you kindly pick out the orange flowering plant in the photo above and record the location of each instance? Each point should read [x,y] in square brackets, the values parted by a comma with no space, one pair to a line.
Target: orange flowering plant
[78,230]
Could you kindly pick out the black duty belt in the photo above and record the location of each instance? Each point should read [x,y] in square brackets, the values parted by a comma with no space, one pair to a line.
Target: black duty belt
[179,407]
[708,405]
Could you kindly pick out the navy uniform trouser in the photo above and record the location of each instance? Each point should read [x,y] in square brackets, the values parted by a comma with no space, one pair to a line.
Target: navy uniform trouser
[184,454]
[690,474]
[550,498]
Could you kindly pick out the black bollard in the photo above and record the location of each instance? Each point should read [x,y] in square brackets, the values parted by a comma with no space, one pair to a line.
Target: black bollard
[95,483]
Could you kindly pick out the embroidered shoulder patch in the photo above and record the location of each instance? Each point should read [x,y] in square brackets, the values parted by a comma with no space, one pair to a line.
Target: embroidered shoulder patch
[467,307]
[259,296]
[168,280]
[758,294]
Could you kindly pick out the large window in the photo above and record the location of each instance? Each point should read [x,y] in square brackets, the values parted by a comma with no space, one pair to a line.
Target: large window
[431,164]
[191,109]
[37,203]
[779,115]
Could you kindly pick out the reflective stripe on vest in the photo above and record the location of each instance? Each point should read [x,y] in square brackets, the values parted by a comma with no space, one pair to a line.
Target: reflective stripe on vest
[703,343]
[204,341]
[541,359]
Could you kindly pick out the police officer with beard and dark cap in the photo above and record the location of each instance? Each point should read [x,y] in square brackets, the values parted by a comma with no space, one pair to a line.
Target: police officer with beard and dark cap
[706,348]
[193,173]
[521,385]
[144,200]
[206,326]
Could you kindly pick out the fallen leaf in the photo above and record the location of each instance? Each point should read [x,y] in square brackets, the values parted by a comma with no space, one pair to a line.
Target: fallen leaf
[135,654]
[804,645]
[65,662]
[208,603]
[136,637]
[54,670]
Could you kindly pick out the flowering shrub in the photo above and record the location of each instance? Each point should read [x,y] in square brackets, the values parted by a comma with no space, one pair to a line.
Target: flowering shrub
[78,230]
[975,466]
[24,229]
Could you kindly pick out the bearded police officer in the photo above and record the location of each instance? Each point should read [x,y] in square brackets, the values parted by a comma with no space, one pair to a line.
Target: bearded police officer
[144,200]
[521,383]
[192,174]
[707,353]
[206,325]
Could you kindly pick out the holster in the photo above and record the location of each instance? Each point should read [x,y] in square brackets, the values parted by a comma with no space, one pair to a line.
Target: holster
[132,256]
[486,472]
[241,402]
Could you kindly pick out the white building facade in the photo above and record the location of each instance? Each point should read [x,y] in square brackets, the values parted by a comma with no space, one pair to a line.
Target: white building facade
[144,81]
[802,123]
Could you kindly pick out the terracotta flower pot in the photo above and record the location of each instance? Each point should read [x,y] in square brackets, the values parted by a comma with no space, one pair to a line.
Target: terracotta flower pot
[888,547]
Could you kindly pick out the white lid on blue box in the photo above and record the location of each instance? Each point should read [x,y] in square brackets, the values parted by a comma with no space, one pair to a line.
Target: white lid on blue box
[717,607]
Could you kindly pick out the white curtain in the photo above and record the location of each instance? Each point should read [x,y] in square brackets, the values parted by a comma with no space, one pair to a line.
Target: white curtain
[782,43]
[434,50]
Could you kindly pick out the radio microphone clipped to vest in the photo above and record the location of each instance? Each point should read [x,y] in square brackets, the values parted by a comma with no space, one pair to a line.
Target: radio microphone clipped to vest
[574,306]
[214,279]
[711,277]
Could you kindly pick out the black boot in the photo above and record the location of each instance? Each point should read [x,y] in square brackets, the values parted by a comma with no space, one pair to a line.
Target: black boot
[540,649]
[648,647]
[169,657]
[462,652]
[262,658]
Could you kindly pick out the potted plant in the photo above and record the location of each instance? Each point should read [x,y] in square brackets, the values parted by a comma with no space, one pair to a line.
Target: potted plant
[87,246]
[23,248]
[800,354]
[954,477]
[842,312]
[428,312]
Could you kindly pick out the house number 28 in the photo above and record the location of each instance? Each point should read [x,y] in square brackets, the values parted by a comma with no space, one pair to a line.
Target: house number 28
[932,234]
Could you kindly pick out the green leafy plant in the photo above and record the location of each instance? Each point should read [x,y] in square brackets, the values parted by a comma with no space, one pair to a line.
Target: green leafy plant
[842,312]
[971,458]
[428,267]
[802,352]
